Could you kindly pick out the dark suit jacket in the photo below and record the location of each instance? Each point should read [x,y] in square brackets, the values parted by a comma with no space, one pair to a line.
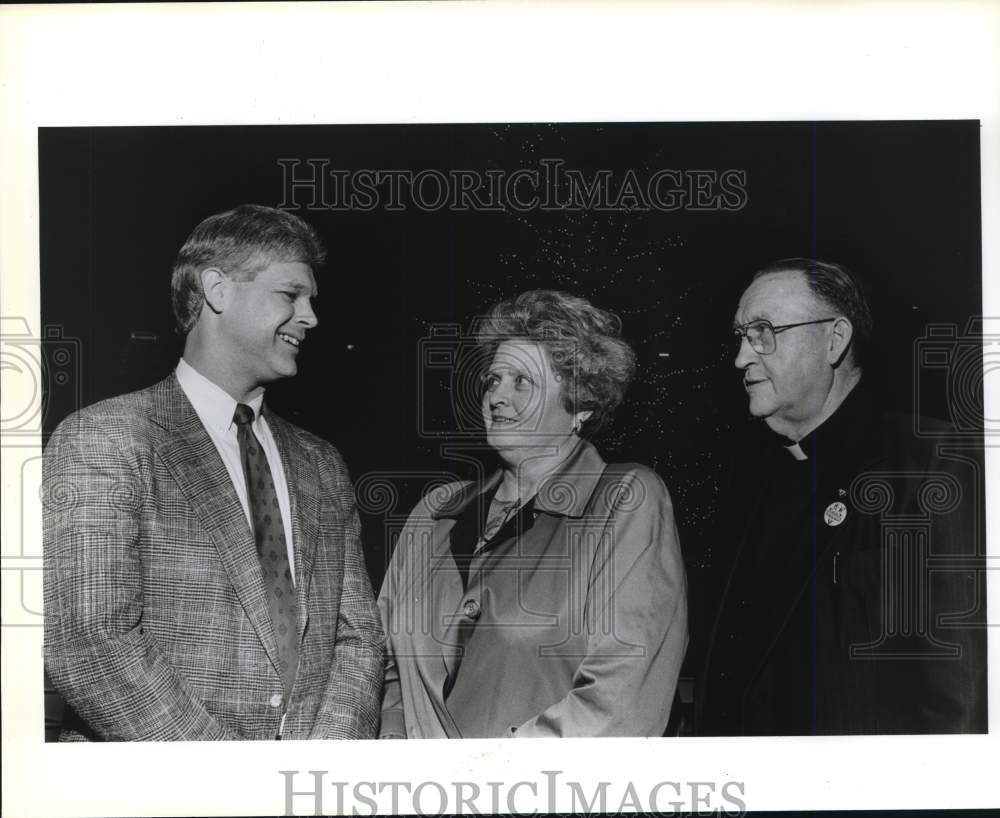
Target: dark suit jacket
[156,621]
[879,626]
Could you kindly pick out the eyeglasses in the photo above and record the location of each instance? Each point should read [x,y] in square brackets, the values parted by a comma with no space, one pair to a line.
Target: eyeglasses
[761,334]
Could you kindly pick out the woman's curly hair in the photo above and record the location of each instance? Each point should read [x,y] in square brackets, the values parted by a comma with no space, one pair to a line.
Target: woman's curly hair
[593,362]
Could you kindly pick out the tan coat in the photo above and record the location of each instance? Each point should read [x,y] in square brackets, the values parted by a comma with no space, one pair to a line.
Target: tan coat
[573,623]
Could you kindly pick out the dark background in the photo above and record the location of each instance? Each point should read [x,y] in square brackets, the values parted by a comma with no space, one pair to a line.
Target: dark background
[897,202]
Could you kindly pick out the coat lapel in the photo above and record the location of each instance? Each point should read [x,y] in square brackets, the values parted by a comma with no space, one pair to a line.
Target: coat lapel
[452,544]
[426,586]
[460,542]
[742,495]
[452,647]
[191,457]
[302,479]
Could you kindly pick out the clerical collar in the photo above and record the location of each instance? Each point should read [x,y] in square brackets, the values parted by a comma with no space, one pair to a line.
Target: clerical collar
[836,430]
[795,450]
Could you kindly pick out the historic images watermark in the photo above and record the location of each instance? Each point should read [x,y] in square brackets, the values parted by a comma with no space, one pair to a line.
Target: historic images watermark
[449,362]
[455,371]
[455,365]
[41,374]
[309,792]
[953,362]
[316,184]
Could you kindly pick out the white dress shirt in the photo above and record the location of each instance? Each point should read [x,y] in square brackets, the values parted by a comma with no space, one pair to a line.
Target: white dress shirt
[215,408]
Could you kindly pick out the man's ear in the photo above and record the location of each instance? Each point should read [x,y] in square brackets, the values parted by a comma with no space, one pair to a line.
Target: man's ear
[214,284]
[840,341]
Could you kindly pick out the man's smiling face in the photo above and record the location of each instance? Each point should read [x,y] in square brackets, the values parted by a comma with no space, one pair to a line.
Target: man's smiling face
[264,322]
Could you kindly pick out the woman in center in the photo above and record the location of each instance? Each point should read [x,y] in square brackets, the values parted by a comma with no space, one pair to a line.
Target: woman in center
[548,598]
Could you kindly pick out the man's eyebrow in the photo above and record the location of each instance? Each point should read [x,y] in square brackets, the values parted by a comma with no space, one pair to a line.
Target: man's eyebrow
[299,287]
[758,317]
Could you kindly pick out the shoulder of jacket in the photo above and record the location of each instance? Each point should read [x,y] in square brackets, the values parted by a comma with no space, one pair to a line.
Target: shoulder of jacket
[632,472]
[901,445]
[115,416]
[629,486]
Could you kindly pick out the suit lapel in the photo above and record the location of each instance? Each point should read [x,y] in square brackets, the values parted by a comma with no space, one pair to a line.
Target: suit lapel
[190,456]
[302,480]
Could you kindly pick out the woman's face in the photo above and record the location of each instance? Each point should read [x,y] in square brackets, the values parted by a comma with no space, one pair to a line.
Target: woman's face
[522,403]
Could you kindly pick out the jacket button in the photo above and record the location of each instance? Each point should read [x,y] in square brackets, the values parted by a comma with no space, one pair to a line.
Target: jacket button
[276,700]
[471,609]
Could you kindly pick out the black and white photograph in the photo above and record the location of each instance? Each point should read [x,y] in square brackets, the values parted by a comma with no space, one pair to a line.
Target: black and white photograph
[661,429]
[503,311]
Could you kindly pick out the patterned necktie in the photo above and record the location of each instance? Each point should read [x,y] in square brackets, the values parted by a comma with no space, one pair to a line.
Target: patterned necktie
[271,546]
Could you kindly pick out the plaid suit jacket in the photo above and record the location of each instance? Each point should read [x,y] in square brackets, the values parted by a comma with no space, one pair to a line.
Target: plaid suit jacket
[156,621]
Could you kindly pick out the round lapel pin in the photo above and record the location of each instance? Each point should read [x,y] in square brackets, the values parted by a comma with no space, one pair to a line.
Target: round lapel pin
[835,513]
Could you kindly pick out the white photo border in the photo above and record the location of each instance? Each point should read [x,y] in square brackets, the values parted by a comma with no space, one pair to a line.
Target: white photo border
[199,64]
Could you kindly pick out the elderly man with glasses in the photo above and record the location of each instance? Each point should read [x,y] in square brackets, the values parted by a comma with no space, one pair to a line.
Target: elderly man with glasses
[853,600]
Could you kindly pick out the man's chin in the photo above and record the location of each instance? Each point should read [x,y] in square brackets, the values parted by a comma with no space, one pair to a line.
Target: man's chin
[759,408]
[287,366]
[280,373]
